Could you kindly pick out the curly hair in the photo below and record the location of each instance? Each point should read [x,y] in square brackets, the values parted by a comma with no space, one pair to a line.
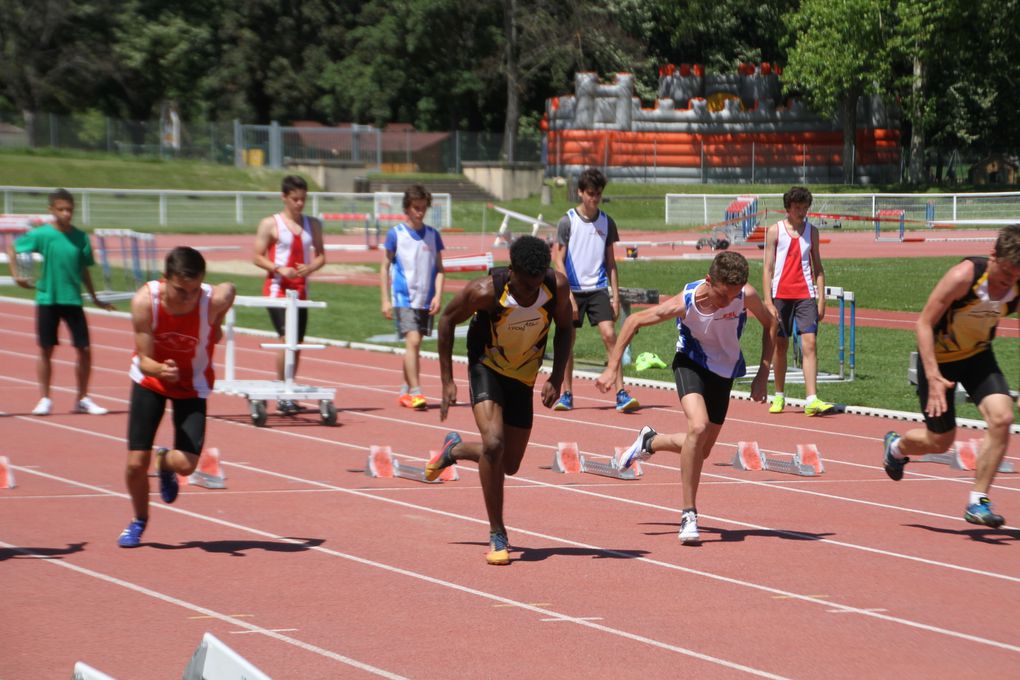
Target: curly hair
[1007,245]
[797,195]
[530,255]
[729,267]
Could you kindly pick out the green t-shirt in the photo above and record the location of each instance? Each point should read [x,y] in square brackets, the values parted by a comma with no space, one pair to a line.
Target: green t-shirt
[65,257]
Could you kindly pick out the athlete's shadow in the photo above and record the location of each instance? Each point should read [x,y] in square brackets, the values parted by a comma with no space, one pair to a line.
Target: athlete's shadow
[712,535]
[238,548]
[982,535]
[35,553]
[524,554]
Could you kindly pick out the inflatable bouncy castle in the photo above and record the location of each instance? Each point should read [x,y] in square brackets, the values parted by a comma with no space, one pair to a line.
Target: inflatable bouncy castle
[712,128]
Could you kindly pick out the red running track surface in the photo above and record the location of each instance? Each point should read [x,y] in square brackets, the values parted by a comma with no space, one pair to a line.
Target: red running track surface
[310,569]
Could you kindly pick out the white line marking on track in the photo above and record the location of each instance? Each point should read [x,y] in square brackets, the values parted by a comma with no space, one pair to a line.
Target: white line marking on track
[169,599]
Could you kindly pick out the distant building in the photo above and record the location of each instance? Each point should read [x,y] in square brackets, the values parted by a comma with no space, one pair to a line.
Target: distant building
[994,169]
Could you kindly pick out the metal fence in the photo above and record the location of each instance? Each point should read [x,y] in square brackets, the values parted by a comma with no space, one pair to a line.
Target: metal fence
[153,210]
[920,210]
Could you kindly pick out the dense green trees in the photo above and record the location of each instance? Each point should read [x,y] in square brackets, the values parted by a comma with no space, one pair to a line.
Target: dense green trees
[491,64]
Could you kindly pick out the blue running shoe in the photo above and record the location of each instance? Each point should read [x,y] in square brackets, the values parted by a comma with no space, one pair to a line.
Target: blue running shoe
[639,450]
[499,549]
[981,513]
[893,465]
[168,486]
[566,402]
[443,459]
[132,536]
[626,403]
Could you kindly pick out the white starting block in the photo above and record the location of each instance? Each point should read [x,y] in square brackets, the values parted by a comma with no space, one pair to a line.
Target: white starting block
[963,456]
[568,460]
[383,464]
[213,659]
[258,392]
[806,461]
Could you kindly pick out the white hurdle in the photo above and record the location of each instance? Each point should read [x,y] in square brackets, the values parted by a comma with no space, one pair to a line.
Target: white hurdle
[258,392]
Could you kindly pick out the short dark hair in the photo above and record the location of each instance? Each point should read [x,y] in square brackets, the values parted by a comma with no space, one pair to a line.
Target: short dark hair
[729,267]
[1007,245]
[416,192]
[61,195]
[185,262]
[797,195]
[530,255]
[592,178]
[293,183]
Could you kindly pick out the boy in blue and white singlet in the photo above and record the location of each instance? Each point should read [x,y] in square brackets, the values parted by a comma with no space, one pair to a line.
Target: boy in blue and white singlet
[710,316]
[411,283]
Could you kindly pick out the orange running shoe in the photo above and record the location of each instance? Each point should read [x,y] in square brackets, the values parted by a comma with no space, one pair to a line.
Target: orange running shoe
[406,400]
[499,549]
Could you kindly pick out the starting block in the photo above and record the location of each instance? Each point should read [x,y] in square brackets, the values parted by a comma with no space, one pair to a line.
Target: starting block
[382,463]
[6,474]
[806,461]
[568,460]
[963,456]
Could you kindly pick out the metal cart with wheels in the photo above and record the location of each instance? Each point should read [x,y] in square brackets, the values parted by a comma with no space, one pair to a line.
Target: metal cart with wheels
[259,392]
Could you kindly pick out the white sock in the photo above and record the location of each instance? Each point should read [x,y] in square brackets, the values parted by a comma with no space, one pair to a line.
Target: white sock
[894,449]
[810,398]
[976,496]
[780,395]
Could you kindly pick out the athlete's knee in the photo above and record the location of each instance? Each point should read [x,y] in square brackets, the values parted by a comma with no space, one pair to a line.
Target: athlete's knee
[999,419]
[492,447]
[137,465]
[696,428]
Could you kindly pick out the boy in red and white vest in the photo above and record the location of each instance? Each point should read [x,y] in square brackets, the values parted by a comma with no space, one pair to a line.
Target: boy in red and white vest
[176,323]
[793,289]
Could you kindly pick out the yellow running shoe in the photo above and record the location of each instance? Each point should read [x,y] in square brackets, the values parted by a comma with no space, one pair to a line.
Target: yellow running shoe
[418,402]
[777,404]
[499,549]
[818,407]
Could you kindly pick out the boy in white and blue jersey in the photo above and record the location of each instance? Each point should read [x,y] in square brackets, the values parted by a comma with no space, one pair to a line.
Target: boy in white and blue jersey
[710,317]
[584,254]
[411,283]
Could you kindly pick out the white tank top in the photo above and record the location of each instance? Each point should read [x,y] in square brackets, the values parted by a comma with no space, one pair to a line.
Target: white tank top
[712,339]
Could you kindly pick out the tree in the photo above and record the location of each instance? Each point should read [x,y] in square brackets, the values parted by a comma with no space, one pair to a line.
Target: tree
[839,51]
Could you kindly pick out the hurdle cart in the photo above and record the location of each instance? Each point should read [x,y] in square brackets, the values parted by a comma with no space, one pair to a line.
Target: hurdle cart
[258,392]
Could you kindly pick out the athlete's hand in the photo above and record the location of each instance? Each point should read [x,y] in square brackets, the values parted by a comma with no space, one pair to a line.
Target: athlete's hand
[387,310]
[606,381]
[169,372]
[550,393]
[449,398]
[760,387]
[937,389]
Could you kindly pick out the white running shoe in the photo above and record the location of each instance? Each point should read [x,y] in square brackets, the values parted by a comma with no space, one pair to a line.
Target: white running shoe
[637,451]
[90,407]
[689,528]
[43,408]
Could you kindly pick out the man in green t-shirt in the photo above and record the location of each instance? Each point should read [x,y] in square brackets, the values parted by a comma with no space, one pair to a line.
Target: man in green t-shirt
[67,255]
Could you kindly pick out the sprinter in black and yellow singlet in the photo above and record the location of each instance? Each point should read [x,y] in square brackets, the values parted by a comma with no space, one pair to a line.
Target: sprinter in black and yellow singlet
[954,345]
[511,311]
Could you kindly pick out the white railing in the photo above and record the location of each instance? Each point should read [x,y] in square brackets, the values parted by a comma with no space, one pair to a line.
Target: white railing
[152,209]
[696,210]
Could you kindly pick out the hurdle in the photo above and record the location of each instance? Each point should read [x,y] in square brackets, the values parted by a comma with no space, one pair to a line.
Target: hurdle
[257,392]
[887,215]
[383,464]
[138,257]
[505,235]
[807,462]
[963,456]
[847,352]
[568,460]
[369,227]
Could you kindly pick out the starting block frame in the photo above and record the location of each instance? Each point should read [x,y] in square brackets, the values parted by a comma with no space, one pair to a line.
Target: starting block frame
[806,461]
[258,392]
[568,460]
[963,456]
[384,465]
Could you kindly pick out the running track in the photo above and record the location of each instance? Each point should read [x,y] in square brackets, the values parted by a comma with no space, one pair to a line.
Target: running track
[310,569]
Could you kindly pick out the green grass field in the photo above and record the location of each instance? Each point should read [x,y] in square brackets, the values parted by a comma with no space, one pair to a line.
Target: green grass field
[881,355]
